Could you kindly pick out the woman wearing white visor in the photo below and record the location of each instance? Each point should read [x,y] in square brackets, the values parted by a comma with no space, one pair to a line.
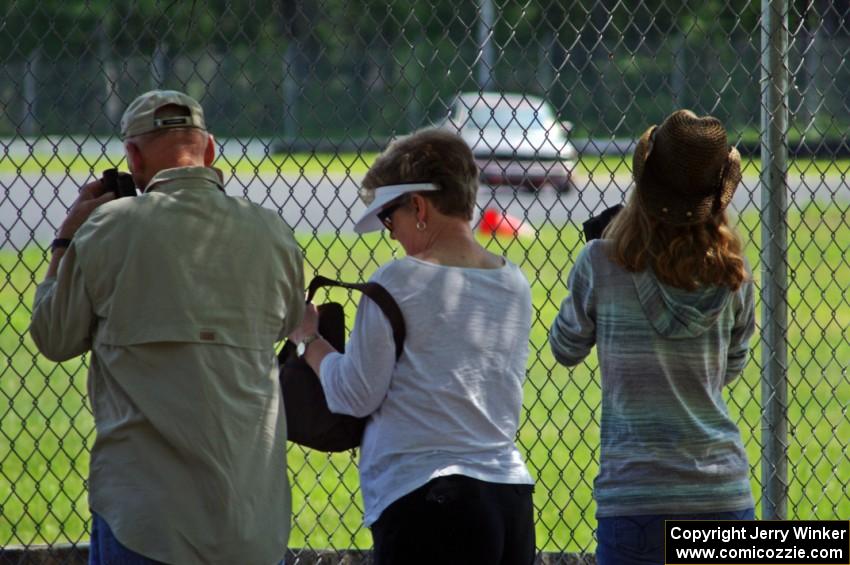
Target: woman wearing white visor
[442,479]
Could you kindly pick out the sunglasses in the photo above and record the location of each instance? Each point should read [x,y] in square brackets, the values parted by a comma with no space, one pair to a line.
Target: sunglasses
[385,215]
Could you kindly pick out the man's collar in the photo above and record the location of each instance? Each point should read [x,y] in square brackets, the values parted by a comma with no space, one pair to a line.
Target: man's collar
[164,176]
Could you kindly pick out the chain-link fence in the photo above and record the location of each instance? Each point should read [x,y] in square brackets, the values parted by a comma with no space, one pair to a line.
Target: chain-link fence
[302,93]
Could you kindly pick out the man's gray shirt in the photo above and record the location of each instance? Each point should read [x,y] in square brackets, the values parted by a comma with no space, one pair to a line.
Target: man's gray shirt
[181,294]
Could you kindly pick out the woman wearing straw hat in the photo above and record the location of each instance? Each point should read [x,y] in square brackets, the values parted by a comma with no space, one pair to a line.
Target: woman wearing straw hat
[667,299]
[441,477]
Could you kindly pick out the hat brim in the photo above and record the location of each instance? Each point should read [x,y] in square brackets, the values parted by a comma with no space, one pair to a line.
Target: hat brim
[369,221]
[642,151]
[731,179]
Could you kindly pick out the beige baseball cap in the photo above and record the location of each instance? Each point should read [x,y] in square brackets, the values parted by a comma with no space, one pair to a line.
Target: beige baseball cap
[140,116]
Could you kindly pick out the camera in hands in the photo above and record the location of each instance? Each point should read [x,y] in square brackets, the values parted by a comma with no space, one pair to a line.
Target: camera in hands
[121,184]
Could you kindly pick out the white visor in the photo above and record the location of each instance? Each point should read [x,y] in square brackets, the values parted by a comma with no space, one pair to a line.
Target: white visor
[369,221]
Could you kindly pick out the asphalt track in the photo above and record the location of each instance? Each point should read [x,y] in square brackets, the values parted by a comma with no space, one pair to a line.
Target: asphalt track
[33,205]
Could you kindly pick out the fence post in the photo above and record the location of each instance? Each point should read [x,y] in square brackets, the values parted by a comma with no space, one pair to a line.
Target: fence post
[32,84]
[486,32]
[774,273]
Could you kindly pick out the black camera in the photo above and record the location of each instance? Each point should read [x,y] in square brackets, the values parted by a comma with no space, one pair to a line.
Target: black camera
[119,183]
[594,227]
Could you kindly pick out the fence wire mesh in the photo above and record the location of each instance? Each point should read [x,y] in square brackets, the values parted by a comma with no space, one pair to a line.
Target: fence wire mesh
[303,93]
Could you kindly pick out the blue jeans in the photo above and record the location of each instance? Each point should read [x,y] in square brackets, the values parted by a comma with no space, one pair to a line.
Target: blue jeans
[639,540]
[105,548]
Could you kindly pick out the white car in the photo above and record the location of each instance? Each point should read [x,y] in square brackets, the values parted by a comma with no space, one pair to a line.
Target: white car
[516,139]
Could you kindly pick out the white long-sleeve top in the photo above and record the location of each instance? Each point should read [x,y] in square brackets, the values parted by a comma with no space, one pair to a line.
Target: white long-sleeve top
[451,404]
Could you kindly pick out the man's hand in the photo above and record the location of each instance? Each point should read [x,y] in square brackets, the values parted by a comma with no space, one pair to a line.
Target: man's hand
[91,196]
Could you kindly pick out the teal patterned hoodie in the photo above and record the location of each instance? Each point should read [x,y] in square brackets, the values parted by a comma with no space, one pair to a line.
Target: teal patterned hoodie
[668,443]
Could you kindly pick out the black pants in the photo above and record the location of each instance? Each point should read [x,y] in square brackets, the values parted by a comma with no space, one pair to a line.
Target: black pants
[457,520]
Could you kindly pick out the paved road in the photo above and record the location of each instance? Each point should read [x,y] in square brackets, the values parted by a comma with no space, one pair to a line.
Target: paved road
[33,205]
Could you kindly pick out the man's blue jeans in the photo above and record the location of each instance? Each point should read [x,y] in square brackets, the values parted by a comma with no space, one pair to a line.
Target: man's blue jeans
[639,540]
[105,548]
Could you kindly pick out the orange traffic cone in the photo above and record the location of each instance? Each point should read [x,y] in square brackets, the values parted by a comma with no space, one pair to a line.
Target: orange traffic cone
[494,222]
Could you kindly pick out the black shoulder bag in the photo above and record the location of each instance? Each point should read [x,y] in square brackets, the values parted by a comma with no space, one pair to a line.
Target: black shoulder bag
[309,422]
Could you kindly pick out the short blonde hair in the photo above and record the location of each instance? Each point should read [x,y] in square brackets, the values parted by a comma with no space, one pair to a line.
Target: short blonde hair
[433,156]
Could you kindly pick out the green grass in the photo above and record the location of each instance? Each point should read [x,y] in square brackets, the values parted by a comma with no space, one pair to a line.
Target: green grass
[355,164]
[300,163]
[46,428]
[622,165]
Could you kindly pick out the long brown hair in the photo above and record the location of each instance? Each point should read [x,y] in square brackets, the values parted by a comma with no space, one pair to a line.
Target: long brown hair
[687,257]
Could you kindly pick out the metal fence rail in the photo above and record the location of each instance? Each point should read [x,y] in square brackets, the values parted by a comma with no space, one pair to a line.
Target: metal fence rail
[302,93]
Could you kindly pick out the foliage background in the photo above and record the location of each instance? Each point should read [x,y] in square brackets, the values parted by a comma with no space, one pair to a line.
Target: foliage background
[362,70]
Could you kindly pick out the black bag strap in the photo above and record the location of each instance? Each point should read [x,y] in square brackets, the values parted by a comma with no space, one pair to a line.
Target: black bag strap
[379,296]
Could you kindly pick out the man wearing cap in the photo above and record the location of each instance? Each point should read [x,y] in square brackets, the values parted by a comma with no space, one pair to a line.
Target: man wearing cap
[180,295]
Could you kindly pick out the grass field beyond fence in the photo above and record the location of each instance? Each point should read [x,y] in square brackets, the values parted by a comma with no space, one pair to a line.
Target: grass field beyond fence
[46,426]
[338,165]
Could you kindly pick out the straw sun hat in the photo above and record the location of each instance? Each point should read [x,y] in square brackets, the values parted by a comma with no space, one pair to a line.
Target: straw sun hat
[684,170]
